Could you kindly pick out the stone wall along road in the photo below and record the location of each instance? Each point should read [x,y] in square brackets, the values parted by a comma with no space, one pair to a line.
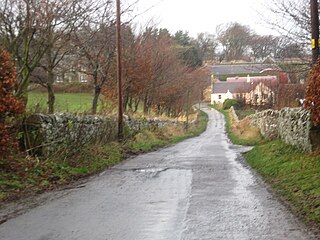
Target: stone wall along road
[199,189]
[291,125]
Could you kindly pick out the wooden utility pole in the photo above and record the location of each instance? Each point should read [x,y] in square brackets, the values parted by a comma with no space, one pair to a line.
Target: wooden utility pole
[314,30]
[188,96]
[119,74]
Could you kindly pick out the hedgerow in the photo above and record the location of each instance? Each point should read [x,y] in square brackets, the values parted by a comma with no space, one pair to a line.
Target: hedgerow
[312,96]
[10,106]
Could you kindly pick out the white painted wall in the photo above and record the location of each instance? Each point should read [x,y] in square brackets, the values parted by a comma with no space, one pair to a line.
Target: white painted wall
[220,97]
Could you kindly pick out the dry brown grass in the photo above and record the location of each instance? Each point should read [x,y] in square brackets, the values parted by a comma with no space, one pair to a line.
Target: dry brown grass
[171,131]
[243,130]
[145,136]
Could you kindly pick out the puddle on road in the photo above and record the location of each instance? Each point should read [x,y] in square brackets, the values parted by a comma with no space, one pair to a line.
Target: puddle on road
[151,170]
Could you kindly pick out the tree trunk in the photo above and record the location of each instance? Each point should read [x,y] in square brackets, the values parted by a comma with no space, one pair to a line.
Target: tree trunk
[168,112]
[97,91]
[22,87]
[158,109]
[130,102]
[51,97]
[136,105]
[125,102]
[145,104]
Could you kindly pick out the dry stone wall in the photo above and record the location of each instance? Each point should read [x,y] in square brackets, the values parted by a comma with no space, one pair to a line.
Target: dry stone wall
[291,125]
[49,134]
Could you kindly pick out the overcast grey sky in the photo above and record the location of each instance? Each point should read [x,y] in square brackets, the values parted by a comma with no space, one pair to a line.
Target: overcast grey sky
[197,16]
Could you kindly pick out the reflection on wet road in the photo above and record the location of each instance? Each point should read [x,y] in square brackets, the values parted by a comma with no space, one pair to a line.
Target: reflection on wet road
[197,189]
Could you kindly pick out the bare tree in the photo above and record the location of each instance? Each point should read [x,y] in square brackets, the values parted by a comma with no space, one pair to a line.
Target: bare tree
[291,18]
[207,45]
[96,42]
[36,32]
[234,39]
[263,46]
[22,30]
[66,17]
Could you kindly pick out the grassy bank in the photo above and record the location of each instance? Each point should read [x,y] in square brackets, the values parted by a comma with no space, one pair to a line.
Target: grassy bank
[293,174]
[28,175]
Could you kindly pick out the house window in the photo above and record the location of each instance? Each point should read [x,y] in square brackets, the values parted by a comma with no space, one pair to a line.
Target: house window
[264,96]
[83,79]
[219,96]
[59,79]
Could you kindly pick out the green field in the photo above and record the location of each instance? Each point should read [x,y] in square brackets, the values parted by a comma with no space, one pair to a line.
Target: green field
[65,102]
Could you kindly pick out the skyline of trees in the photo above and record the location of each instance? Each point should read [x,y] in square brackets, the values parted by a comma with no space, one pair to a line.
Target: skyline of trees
[49,37]
[46,36]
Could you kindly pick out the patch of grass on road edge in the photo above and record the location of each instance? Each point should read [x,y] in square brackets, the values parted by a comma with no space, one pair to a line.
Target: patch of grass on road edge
[293,174]
[33,175]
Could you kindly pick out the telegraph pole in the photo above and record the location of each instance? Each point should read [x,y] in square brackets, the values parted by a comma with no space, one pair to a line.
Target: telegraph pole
[119,74]
[314,30]
[188,96]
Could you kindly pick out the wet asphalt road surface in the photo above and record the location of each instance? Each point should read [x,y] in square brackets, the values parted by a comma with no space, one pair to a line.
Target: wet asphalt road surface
[195,190]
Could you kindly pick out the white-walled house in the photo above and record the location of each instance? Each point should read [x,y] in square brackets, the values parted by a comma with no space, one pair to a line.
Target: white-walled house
[225,90]
[221,97]
[254,93]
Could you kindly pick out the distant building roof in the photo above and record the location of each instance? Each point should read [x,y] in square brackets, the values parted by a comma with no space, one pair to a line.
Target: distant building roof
[267,70]
[232,69]
[253,79]
[233,87]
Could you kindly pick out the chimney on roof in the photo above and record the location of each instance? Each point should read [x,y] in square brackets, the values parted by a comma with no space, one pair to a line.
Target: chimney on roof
[248,79]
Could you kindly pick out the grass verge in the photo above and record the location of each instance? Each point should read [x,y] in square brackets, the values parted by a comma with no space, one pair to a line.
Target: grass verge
[293,174]
[28,175]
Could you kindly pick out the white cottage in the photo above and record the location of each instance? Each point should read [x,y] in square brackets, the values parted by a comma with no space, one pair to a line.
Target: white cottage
[229,90]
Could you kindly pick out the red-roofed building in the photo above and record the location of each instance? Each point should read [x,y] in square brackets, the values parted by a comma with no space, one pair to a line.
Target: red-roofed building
[259,90]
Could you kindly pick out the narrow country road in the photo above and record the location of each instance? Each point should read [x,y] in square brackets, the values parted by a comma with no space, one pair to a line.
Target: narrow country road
[196,190]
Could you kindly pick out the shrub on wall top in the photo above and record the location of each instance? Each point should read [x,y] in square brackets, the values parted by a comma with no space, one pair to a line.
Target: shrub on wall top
[228,103]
